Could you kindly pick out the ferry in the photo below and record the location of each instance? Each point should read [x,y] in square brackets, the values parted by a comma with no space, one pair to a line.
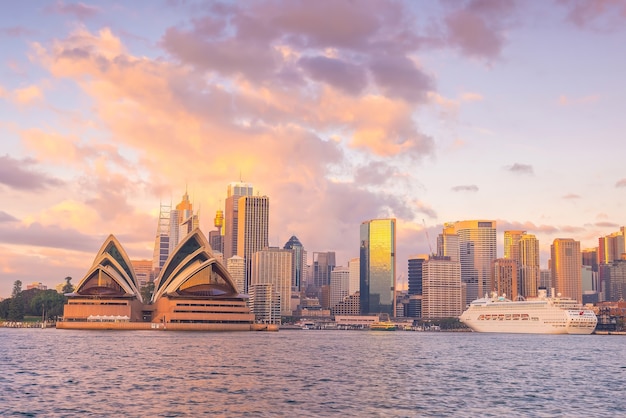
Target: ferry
[541,315]
[383,324]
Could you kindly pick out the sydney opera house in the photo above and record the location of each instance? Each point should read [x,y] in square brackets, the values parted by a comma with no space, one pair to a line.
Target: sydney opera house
[193,291]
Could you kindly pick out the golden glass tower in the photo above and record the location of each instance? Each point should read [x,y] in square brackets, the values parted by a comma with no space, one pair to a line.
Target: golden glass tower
[378,267]
[566,268]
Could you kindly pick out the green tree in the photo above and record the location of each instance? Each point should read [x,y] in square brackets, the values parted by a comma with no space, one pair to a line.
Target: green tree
[16,309]
[68,287]
[4,308]
[146,292]
[48,303]
[17,288]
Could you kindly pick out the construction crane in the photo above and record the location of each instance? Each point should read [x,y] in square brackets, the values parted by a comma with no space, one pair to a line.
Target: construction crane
[428,238]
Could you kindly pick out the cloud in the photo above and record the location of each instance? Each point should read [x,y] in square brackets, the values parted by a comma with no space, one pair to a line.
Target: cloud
[521,168]
[596,15]
[477,29]
[344,76]
[566,101]
[16,31]
[5,217]
[51,236]
[621,183]
[19,175]
[79,10]
[606,225]
[465,188]
[571,196]
[27,95]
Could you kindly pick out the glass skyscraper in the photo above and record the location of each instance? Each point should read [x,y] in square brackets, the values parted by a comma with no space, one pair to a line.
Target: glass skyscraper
[378,267]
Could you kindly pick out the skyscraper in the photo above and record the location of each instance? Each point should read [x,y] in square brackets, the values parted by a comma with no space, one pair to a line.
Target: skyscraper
[236,266]
[162,240]
[378,266]
[182,221]
[273,266]
[566,268]
[323,265]
[415,278]
[339,285]
[528,265]
[252,228]
[231,221]
[299,262]
[505,276]
[478,250]
[355,276]
[511,244]
[442,288]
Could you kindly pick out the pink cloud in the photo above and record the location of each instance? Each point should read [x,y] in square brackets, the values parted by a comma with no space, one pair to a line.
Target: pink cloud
[22,174]
[477,29]
[599,15]
[80,10]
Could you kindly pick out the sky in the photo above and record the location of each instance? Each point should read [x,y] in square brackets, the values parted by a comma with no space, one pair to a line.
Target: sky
[339,111]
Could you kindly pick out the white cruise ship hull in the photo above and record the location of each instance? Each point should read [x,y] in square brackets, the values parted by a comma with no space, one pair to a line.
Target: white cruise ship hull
[540,316]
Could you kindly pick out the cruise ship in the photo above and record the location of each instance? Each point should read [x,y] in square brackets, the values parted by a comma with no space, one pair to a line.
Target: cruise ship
[541,315]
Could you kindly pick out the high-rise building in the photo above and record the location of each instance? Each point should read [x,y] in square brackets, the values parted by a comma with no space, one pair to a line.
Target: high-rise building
[505,277]
[354,267]
[448,245]
[339,285]
[143,271]
[616,283]
[442,288]
[182,221]
[236,266]
[231,220]
[378,266]
[478,249]
[323,265]
[545,280]
[511,244]
[162,240]
[273,265]
[299,262]
[216,239]
[252,229]
[566,268]
[528,265]
[611,247]
[265,303]
[415,277]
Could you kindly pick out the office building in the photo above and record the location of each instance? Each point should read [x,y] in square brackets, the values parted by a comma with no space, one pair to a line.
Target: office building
[252,228]
[378,266]
[299,262]
[528,265]
[478,250]
[323,264]
[566,268]
[441,288]
[354,266]
[231,219]
[236,266]
[505,273]
[273,265]
[339,285]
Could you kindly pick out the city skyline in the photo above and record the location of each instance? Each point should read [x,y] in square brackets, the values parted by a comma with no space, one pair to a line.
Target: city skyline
[426,112]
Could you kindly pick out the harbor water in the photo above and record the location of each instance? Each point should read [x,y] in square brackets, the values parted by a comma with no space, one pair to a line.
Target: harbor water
[48,372]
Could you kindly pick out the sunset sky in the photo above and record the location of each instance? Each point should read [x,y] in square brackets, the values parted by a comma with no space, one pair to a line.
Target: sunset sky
[339,111]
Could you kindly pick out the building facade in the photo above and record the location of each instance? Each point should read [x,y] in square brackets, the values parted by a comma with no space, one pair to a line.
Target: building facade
[252,229]
[442,288]
[478,250]
[566,268]
[378,266]
[231,219]
[273,265]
